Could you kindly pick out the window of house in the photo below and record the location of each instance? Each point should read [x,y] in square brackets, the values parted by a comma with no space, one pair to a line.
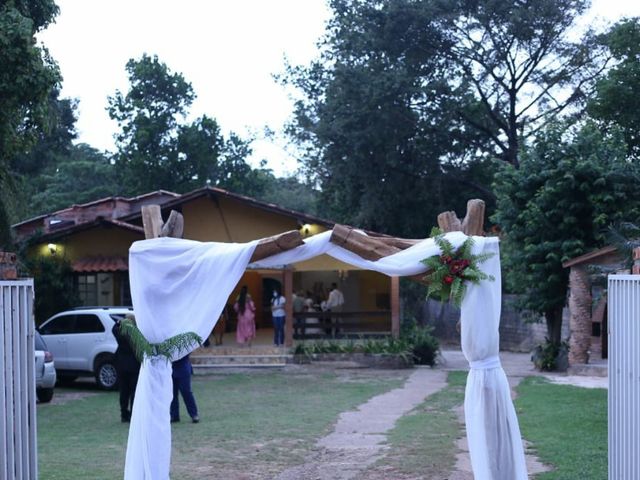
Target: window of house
[87,286]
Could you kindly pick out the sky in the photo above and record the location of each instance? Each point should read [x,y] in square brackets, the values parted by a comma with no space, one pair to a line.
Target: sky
[228,49]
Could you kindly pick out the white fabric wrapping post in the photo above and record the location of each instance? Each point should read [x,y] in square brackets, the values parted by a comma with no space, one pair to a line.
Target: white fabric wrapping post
[493,434]
[181,286]
[177,286]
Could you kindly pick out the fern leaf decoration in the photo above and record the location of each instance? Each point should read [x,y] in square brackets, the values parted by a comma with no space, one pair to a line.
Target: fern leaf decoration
[171,347]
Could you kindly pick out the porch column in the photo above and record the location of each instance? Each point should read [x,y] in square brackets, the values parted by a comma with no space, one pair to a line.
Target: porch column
[580,320]
[288,307]
[395,307]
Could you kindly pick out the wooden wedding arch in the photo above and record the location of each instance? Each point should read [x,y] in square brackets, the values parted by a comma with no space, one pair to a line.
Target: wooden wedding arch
[368,246]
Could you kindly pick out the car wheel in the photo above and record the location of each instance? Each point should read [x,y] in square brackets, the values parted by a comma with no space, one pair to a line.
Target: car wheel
[44,394]
[106,374]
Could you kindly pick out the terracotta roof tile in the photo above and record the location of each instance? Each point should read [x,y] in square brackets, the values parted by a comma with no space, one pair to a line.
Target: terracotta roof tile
[100,264]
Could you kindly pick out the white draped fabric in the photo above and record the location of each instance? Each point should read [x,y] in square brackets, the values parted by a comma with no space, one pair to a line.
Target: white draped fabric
[182,286]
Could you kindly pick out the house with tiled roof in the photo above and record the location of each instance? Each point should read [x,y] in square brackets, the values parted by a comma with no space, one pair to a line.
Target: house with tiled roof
[95,238]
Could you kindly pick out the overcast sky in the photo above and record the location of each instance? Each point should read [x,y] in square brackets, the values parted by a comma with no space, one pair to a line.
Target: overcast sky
[227,49]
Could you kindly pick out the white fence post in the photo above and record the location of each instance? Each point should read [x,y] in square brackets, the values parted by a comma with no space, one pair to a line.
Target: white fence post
[18,452]
[624,377]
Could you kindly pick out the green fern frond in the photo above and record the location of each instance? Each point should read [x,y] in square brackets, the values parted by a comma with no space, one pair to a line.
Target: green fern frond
[482,257]
[183,342]
[436,232]
[457,291]
[466,248]
[141,347]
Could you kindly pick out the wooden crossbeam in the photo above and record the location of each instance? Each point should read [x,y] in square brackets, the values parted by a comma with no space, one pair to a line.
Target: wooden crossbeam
[278,243]
[369,248]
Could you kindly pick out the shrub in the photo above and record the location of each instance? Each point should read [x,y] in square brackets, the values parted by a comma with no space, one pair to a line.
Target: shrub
[550,356]
[425,346]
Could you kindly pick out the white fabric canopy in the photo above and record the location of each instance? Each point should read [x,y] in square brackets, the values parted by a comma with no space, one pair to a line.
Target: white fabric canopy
[182,286]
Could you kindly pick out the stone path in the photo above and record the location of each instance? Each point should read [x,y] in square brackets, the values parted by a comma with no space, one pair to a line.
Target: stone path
[357,440]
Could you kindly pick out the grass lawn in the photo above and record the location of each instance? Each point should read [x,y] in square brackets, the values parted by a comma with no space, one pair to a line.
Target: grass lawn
[252,425]
[424,440]
[567,427]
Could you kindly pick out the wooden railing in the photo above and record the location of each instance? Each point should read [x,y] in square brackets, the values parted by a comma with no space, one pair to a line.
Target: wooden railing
[322,325]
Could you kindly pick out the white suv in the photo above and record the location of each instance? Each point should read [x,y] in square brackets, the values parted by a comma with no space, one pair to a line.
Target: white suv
[45,371]
[82,343]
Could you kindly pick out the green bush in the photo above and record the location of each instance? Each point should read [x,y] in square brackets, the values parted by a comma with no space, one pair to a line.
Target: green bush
[424,345]
[550,356]
[53,284]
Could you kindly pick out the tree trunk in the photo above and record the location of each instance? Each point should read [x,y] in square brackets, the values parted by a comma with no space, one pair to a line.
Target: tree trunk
[554,325]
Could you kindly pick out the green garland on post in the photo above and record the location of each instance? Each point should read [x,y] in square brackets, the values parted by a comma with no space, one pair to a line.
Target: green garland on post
[171,346]
[449,271]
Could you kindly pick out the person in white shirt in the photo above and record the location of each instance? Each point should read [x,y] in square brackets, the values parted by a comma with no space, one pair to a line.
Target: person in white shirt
[334,304]
[278,314]
[336,299]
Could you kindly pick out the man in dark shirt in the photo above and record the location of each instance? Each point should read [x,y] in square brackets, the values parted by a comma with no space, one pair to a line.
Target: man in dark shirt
[128,368]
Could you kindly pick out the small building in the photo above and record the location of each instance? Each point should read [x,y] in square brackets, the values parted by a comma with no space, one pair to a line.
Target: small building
[95,239]
[588,303]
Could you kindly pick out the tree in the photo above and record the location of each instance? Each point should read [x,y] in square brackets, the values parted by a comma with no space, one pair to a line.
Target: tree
[148,116]
[290,192]
[82,176]
[53,144]
[522,66]
[570,186]
[616,101]
[156,149]
[27,76]
[410,101]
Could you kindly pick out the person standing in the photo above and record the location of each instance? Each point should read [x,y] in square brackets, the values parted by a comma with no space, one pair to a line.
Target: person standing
[334,305]
[181,376]
[278,314]
[335,300]
[297,303]
[128,368]
[246,310]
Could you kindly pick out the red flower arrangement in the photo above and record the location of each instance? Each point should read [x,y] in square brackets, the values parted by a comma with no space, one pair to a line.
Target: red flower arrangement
[449,271]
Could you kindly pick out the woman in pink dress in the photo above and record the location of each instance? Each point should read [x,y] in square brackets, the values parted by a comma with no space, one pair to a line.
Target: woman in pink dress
[246,310]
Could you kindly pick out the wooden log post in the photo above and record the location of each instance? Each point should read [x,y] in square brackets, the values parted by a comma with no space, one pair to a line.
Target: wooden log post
[472,224]
[395,307]
[174,226]
[151,221]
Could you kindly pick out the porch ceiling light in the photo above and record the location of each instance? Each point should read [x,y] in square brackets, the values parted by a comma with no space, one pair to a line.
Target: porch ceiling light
[53,248]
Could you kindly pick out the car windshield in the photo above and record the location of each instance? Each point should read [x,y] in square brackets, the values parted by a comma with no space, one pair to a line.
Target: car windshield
[40,345]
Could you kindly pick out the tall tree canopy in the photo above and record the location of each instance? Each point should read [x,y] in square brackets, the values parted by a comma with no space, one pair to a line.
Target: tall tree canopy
[570,187]
[158,149]
[617,102]
[27,76]
[410,99]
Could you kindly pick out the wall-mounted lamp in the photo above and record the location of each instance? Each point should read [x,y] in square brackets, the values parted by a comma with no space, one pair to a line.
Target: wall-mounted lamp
[305,229]
[53,248]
